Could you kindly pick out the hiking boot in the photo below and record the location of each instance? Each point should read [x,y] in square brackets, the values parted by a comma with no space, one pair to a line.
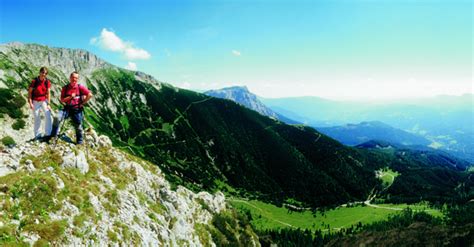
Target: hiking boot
[47,139]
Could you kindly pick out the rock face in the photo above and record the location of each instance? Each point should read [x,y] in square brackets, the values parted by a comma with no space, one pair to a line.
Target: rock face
[97,195]
[63,60]
[67,60]
[244,97]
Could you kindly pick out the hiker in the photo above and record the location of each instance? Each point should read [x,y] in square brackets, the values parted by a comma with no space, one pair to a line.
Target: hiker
[73,97]
[39,99]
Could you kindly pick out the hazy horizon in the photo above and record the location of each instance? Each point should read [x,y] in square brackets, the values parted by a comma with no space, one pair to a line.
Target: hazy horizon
[341,99]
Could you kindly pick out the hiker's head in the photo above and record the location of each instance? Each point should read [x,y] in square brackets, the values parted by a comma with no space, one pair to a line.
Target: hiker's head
[74,77]
[43,72]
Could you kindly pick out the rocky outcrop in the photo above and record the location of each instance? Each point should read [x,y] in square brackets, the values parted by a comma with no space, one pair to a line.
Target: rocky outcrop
[97,195]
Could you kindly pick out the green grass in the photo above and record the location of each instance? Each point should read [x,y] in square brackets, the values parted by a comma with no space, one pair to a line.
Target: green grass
[416,207]
[388,176]
[268,216]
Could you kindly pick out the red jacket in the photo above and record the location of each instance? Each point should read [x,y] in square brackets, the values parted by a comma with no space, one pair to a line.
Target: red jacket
[80,91]
[40,89]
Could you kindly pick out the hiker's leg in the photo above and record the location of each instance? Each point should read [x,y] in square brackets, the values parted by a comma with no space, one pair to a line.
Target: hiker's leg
[76,118]
[37,118]
[47,122]
[47,118]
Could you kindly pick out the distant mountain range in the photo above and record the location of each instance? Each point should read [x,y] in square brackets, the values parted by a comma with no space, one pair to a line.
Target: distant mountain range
[244,97]
[354,134]
[447,121]
[443,122]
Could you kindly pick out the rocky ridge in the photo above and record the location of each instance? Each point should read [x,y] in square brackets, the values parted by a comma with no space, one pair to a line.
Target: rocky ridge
[99,195]
[59,58]
[60,62]
[244,97]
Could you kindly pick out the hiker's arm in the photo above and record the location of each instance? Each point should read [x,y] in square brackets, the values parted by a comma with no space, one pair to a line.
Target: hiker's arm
[48,98]
[66,99]
[30,101]
[88,97]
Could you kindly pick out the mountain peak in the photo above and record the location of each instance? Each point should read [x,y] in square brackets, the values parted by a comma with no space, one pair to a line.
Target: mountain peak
[241,89]
[377,124]
[241,95]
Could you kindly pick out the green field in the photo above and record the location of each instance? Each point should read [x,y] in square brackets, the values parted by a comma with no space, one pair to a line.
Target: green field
[268,216]
[387,176]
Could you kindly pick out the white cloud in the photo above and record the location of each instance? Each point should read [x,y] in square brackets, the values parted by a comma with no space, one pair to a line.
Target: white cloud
[236,53]
[108,40]
[131,66]
[134,53]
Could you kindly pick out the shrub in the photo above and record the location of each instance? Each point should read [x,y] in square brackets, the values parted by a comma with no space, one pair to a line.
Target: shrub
[15,112]
[18,101]
[11,103]
[18,124]
[8,141]
[5,95]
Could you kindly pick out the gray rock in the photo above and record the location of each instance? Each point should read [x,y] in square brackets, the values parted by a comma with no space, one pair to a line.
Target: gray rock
[81,162]
[13,166]
[70,160]
[30,167]
[104,141]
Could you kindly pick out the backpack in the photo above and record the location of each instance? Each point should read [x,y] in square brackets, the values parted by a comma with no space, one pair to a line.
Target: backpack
[36,84]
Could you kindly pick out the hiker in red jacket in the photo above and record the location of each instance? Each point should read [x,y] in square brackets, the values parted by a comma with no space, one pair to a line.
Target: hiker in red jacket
[73,97]
[39,99]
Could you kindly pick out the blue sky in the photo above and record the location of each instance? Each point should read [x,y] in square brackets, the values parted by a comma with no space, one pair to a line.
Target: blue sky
[339,49]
